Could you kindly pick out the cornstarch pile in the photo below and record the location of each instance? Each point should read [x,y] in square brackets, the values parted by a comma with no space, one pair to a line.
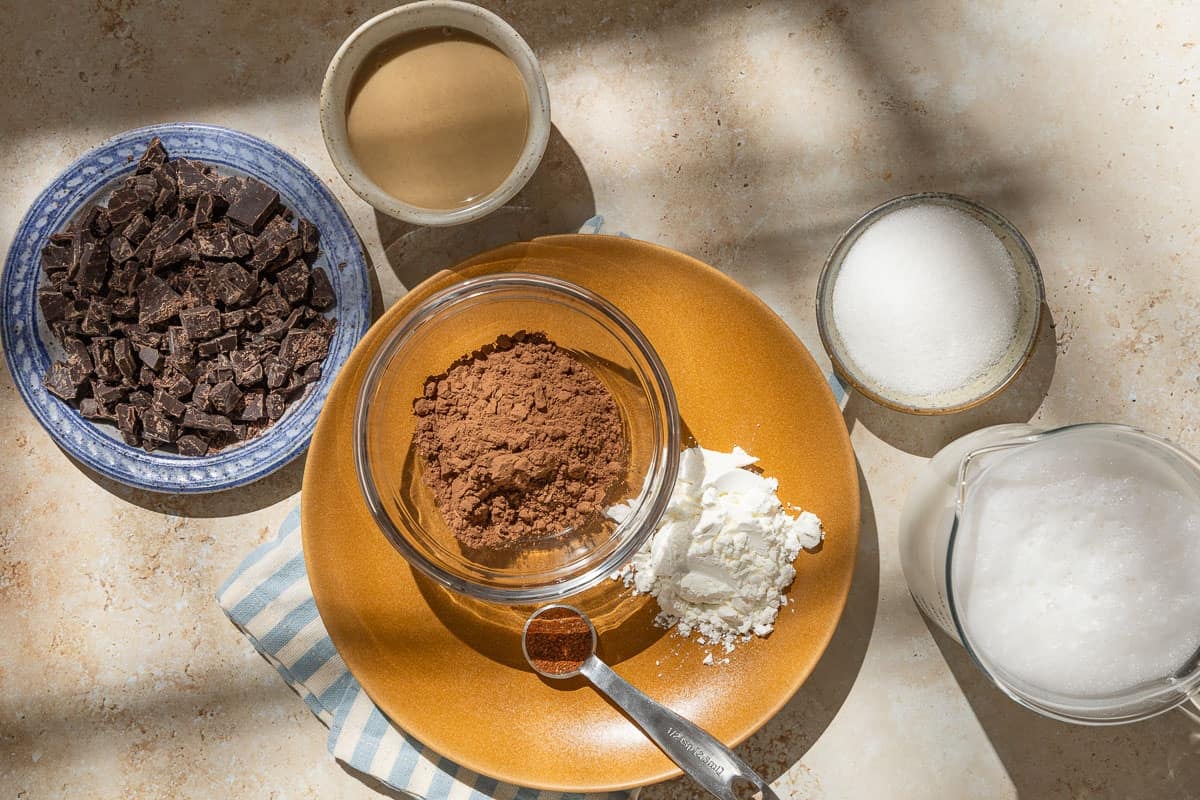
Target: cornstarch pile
[721,558]
[926,300]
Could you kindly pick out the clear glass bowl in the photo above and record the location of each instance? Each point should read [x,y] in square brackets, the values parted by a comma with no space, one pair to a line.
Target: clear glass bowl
[458,321]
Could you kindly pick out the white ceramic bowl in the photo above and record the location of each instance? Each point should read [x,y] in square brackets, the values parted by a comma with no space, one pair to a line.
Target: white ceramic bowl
[416,16]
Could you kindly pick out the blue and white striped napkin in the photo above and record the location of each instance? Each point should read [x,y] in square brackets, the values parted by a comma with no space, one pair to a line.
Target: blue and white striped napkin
[269,599]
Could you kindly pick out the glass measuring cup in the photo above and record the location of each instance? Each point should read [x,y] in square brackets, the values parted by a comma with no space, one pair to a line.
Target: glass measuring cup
[948,570]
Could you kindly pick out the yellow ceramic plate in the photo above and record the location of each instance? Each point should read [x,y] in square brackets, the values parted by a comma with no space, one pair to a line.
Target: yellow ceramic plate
[449,671]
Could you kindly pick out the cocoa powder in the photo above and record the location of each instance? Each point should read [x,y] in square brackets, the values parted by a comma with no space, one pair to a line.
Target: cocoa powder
[520,441]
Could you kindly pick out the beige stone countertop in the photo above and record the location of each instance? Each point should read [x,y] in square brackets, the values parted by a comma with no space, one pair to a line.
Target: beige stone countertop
[748,134]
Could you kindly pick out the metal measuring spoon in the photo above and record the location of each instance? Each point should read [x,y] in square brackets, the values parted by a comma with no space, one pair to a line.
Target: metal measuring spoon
[710,763]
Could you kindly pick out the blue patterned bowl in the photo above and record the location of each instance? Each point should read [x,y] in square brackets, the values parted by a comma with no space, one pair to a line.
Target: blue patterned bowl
[29,346]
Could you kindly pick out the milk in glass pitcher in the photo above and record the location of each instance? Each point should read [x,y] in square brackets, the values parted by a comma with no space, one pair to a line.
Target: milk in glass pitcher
[1067,562]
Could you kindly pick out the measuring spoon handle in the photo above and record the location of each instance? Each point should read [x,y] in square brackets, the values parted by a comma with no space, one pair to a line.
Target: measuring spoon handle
[713,765]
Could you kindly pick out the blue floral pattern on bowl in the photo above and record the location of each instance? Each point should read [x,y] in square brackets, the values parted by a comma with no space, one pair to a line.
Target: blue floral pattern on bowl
[29,347]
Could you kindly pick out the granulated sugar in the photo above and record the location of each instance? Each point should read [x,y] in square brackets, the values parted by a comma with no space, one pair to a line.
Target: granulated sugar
[926,300]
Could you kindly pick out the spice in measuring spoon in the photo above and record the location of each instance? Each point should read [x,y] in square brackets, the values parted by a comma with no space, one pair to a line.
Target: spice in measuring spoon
[558,641]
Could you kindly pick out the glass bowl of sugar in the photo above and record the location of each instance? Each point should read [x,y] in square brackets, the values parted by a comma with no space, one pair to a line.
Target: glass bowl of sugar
[930,304]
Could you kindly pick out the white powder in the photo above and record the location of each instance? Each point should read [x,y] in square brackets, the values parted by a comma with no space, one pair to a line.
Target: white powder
[926,300]
[721,557]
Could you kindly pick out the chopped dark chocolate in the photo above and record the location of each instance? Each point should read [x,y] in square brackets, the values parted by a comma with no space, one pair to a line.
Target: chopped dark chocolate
[168,404]
[276,404]
[53,305]
[251,203]
[309,236]
[191,445]
[198,420]
[151,358]
[322,297]
[201,322]
[157,300]
[224,343]
[225,397]
[185,301]
[58,381]
[156,426]
[154,157]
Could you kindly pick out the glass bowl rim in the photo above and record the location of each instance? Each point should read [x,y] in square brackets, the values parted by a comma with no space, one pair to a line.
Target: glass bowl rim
[657,486]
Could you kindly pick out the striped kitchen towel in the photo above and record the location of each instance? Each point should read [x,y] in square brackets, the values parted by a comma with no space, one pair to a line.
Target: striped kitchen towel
[269,599]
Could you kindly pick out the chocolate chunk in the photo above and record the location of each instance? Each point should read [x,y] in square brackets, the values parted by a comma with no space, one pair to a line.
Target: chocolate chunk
[275,405]
[322,297]
[179,344]
[165,257]
[303,347]
[201,322]
[123,355]
[198,420]
[253,408]
[97,320]
[90,408]
[119,249]
[293,281]
[124,205]
[127,418]
[79,361]
[164,174]
[247,368]
[92,266]
[200,396]
[272,304]
[103,362]
[139,400]
[251,203]
[209,208]
[56,257]
[166,202]
[109,393]
[141,336]
[233,285]
[214,243]
[311,373]
[225,397]
[224,343]
[277,373]
[309,236]
[58,381]
[158,301]
[139,225]
[175,384]
[233,319]
[125,307]
[174,232]
[151,358]
[157,428]
[53,305]
[154,157]
[194,180]
[243,245]
[147,377]
[168,404]
[191,445]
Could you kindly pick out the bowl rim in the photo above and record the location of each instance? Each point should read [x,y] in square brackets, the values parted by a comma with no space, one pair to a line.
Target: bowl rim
[657,486]
[350,55]
[82,440]
[838,252]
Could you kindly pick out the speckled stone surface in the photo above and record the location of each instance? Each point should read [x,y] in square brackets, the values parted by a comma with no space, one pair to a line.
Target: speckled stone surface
[748,134]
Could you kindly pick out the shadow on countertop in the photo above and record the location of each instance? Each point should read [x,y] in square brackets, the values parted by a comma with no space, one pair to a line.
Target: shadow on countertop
[780,743]
[925,435]
[557,199]
[1157,758]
